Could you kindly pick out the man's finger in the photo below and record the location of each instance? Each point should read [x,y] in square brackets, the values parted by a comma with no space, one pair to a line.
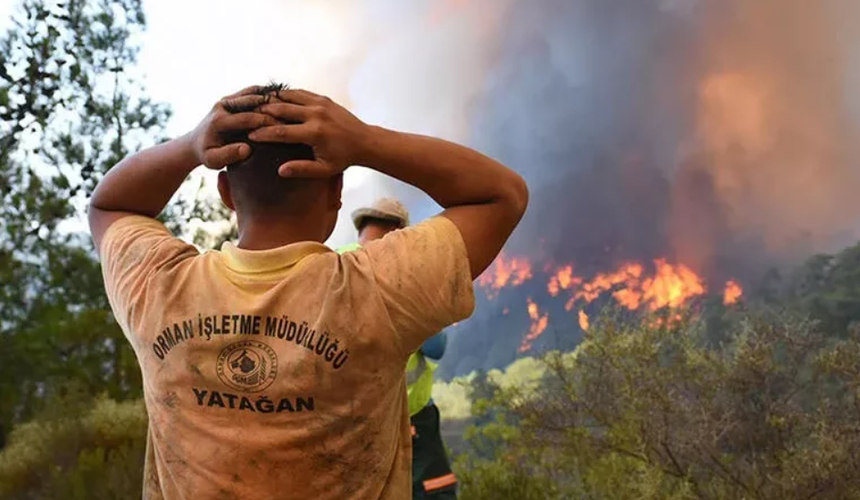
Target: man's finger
[253,89]
[226,155]
[286,111]
[243,103]
[306,169]
[312,96]
[296,96]
[287,134]
[243,121]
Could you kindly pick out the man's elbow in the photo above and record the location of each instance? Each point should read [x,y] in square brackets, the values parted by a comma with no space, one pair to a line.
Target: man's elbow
[517,197]
[97,201]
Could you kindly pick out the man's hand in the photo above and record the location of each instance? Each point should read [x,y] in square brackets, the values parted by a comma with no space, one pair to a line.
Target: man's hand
[335,135]
[209,139]
[143,183]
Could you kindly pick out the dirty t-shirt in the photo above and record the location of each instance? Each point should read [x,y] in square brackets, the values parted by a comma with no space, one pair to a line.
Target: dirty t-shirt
[280,373]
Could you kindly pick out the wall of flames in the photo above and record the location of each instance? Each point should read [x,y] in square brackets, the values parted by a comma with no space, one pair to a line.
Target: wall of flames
[662,286]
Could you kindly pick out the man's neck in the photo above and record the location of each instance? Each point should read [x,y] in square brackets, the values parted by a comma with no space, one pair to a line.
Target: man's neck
[267,235]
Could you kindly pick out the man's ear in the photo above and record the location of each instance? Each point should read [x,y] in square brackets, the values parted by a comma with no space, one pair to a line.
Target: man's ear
[336,191]
[224,190]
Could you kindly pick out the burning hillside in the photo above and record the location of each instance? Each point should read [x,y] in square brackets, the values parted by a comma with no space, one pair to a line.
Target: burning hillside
[634,286]
[674,149]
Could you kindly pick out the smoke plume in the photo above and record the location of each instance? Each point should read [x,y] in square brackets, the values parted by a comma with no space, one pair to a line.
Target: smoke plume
[716,133]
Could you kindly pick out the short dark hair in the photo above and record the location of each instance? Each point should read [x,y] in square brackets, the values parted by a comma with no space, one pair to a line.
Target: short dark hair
[254,182]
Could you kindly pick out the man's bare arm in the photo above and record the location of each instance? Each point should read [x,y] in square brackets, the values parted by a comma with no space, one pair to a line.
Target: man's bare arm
[482,197]
[485,199]
[144,182]
[141,184]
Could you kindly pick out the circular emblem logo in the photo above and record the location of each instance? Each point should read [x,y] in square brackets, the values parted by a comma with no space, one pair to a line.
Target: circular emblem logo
[247,365]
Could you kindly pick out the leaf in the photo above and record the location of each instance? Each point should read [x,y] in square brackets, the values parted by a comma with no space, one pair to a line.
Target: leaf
[61,182]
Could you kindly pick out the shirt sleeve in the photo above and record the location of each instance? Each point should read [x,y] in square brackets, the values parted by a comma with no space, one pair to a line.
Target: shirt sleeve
[422,273]
[133,250]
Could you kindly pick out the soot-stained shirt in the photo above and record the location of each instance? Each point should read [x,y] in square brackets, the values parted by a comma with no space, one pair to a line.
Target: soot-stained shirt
[281,373]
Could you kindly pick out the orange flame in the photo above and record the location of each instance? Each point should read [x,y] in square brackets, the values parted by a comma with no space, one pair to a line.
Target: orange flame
[666,321]
[539,324]
[563,279]
[671,287]
[503,272]
[533,309]
[629,274]
[732,293]
[629,298]
[583,320]
[569,304]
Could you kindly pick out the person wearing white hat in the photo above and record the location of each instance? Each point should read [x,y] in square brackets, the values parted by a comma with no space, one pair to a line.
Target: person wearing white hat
[374,222]
[377,220]
[432,477]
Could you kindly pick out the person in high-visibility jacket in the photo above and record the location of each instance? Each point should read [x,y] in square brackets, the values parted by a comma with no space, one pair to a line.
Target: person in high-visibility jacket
[432,477]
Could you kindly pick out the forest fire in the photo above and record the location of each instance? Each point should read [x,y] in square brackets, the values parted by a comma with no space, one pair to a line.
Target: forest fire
[504,272]
[671,287]
[583,320]
[732,293]
[563,279]
[628,274]
[632,286]
[539,324]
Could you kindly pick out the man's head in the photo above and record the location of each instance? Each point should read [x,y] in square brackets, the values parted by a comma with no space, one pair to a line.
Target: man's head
[258,194]
[379,219]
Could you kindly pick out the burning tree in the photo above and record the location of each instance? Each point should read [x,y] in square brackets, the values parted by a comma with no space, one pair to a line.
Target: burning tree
[634,286]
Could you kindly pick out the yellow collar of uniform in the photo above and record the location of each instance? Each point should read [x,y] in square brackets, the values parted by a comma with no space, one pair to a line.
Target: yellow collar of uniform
[266,261]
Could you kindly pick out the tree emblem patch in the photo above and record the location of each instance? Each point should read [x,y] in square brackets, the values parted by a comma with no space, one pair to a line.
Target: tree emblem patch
[247,365]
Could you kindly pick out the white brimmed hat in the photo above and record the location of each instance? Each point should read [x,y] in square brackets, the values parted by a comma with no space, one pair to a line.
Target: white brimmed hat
[385,209]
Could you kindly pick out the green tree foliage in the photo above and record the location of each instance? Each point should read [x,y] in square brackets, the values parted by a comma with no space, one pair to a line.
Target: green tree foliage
[71,107]
[77,449]
[647,412]
[828,288]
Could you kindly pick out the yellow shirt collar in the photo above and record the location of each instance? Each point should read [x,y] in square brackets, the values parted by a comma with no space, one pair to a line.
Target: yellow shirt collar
[266,261]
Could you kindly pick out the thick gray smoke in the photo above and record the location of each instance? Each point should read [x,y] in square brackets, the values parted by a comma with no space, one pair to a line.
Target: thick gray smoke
[721,134]
[716,133]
